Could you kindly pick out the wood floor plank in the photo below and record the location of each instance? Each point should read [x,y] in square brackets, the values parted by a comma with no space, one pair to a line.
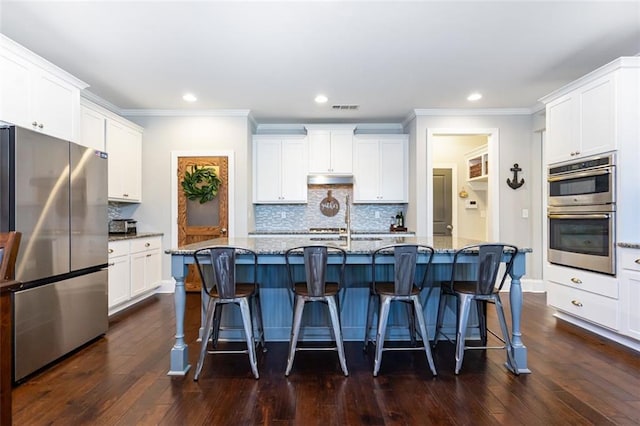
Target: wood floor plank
[577,378]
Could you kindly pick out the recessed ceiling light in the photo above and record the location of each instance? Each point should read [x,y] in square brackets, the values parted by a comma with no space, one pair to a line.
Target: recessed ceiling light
[189,97]
[474,97]
[321,99]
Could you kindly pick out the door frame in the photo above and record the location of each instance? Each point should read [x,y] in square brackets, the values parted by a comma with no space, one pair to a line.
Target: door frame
[174,188]
[493,196]
[454,195]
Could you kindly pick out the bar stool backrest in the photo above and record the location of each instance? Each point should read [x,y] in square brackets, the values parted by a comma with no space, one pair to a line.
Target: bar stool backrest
[223,263]
[315,266]
[9,245]
[490,256]
[405,261]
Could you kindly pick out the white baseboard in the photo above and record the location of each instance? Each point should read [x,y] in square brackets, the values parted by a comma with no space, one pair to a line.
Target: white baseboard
[167,286]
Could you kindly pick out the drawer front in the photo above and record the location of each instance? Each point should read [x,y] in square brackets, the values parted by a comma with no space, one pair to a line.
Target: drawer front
[142,244]
[583,280]
[591,307]
[118,248]
[630,259]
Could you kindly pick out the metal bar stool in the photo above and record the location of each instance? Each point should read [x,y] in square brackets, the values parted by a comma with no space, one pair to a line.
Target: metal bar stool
[482,288]
[315,288]
[403,258]
[223,288]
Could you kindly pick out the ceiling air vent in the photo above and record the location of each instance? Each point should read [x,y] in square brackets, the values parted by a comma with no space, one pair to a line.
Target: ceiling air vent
[350,107]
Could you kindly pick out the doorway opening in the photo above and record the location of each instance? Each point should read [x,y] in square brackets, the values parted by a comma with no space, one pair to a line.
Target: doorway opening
[471,196]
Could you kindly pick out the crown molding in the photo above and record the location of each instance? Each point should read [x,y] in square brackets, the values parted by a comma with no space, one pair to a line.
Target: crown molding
[471,111]
[90,96]
[185,112]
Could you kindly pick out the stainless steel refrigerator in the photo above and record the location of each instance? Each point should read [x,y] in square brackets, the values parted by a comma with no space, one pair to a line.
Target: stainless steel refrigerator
[55,193]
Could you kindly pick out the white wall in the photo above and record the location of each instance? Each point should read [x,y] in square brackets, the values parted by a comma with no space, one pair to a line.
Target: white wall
[516,136]
[162,135]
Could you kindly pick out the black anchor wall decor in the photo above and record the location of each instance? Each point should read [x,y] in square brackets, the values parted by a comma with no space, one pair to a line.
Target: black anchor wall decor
[515,184]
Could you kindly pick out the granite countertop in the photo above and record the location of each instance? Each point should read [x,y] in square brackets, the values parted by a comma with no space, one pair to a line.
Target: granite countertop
[307,232]
[629,245]
[278,245]
[121,237]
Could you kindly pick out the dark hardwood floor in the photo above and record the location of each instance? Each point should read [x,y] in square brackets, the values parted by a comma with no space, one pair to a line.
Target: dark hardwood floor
[577,378]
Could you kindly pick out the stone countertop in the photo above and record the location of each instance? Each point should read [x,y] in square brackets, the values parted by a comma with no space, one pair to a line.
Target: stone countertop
[121,237]
[278,245]
[307,232]
[629,245]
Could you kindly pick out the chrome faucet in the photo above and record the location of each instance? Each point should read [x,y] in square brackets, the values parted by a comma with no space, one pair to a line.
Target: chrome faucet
[347,219]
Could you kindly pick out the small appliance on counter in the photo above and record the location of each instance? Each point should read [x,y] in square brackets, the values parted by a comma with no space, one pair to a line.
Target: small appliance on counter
[122,226]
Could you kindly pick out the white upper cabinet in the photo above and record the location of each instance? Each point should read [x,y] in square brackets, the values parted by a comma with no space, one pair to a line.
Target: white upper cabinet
[380,169]
[36,94]
[124,147]
[280,169]
[583,118]
[92,128]
[331,151]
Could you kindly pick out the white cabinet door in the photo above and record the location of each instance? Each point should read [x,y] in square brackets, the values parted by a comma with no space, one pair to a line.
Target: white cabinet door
[124,146]
[153,269]
[294,171]
[280,170]
[331,151]
[366,171]
[561,143]
[597,118]
[267,171]
[630,291]
[14,89]
[138,282]
[118,280]
[56,106]
[92,128]
[380,169]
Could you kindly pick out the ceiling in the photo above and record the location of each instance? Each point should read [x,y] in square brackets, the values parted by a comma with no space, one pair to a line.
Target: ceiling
[273,58]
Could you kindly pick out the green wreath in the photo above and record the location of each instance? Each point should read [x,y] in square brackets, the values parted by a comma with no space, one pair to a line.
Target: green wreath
[201,184]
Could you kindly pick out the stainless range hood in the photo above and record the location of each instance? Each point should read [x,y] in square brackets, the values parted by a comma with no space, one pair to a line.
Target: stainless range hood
[329,179]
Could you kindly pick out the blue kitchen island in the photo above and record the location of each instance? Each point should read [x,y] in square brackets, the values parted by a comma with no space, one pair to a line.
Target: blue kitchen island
[276,300]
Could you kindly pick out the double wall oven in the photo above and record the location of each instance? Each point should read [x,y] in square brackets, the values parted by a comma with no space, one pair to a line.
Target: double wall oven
[581,213]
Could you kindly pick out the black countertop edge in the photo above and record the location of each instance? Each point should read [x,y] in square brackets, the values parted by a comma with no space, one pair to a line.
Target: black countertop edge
[122,237]
[629,245]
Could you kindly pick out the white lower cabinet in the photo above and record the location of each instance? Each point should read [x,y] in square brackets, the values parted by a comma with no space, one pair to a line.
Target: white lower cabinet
[135,270]
[589,296]
[630,292]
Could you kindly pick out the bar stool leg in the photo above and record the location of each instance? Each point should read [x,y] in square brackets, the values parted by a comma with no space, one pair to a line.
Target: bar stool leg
[370,311]
[505,333]
[259,322]
[442,303]
[248,331]
[385,304]
[298,307]
[208,324]
[423,331]
[337,332]
[409,308]
[463,309]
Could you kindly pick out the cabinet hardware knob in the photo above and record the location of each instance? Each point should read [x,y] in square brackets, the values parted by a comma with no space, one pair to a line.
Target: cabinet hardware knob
[637,261]
[110,250]
[111,264]
[223,231]
[576,303]
[147,244]
[148,255]
[40,125]
[35,123]
[576,280]
[125,195]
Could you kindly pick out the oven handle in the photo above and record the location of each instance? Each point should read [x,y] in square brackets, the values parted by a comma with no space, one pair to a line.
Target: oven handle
[568,176]
[579,216]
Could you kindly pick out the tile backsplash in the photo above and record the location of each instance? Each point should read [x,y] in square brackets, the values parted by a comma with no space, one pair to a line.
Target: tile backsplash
[300,217]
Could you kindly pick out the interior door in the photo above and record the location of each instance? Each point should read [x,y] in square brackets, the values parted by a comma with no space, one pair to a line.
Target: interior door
[442,202]
[199,222]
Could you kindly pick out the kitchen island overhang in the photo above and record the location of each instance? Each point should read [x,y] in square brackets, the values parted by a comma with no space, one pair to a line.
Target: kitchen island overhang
[272,278]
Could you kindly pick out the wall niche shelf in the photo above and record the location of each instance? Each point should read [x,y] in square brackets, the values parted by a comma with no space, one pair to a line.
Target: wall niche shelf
[478,168]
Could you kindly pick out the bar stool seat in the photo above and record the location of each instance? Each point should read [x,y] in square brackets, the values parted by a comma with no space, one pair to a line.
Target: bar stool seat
[312,263]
